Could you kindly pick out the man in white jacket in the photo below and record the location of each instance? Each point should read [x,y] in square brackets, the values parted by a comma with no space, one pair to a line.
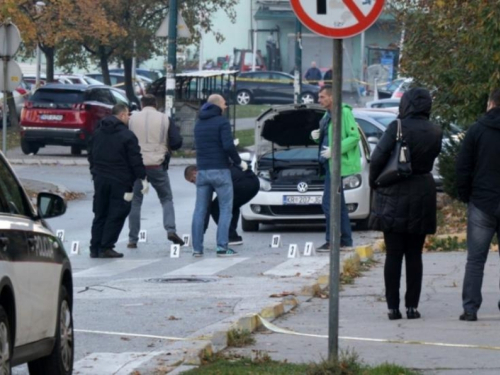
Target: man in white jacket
[152,129]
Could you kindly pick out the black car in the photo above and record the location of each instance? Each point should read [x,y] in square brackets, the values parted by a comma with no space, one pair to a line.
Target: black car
[271,88]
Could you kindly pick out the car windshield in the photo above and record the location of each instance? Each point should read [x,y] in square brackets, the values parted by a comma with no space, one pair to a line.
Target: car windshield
[92,81]
[58,96]
[294,154]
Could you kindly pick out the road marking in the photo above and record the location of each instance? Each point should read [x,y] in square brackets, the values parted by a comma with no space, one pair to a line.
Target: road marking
[114,268]
[206,267]
[304,266]
[109,333]
[112,363]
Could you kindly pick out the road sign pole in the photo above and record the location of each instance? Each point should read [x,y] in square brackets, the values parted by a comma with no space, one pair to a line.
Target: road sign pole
[336,180]
[172,59]
[298,62]
[4,88]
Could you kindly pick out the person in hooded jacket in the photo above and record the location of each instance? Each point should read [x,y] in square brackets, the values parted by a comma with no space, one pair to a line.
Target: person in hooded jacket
[115,164]
[406,210]
[478,183]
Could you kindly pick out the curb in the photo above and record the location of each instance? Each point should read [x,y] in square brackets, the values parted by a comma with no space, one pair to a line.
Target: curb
[83,162]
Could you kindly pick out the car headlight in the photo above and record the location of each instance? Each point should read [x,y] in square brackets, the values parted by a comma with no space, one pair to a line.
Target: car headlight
[265,185]
[351,182]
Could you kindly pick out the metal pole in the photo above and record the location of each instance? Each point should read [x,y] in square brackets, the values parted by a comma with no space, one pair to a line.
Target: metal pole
[5,88]
[362,53]
[172,59]
[134,65]
[38,66]
[254,63]
[298,61]
[336,180]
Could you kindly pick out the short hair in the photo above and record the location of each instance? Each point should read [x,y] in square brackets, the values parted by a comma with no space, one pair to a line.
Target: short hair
[148,100]
[190,169]
[118,109]
[215,99]
[327,89]
[495,97]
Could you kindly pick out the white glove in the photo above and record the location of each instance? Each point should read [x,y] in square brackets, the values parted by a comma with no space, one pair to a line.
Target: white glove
[236,142]
[243,166]
[145,187]
[315,134]
[128,197]
[326,153]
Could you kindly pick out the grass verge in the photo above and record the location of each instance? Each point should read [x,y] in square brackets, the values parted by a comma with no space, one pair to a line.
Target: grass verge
[239,339]
[13,137]
[250,111]
[246,137]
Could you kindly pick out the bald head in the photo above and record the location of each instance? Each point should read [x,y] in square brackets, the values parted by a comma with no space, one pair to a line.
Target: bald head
[217,100]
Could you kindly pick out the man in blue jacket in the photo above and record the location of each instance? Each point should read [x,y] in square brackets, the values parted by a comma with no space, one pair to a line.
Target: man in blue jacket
[214,147]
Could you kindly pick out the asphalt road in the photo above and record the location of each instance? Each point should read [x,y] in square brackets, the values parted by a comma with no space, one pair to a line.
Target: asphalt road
[120,304]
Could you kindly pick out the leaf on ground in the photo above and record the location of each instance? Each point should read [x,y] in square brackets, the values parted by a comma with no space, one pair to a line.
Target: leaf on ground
[282,294]
[171,317]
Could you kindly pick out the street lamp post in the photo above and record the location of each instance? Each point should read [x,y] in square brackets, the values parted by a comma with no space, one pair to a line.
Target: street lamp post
[39,9]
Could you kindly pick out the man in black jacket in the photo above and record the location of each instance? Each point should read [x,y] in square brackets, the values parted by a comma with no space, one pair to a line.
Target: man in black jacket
[478,183]
[245,186]
[115,163]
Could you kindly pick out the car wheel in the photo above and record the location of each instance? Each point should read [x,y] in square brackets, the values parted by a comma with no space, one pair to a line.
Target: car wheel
[307,98]
[249,225]
[243,97]
[60,361]
[5,343]
[76,150]
[29,147]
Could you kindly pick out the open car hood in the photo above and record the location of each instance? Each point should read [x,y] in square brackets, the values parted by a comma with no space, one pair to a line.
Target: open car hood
[289,125]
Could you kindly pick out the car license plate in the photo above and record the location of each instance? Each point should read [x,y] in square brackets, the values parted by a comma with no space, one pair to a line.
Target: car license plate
[51,117]
[302,199]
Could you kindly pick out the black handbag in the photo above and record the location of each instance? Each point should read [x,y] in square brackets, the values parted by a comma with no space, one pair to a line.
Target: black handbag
[399,165]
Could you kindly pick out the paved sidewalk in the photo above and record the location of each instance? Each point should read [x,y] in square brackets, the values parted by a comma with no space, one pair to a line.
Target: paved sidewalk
[363,316]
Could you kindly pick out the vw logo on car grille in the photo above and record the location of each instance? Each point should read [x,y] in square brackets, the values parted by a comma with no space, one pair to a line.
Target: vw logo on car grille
[302,187]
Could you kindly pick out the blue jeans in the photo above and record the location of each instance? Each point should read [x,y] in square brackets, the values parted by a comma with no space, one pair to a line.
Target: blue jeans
[208,181]
[345,224]
[481,227]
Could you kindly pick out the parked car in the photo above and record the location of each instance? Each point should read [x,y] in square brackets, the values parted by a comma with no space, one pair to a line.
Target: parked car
[286,161]
[402,88]
[36,287]
[384,103]
[20,95]
[66,115]
[271,88]
[151,74]
[118,81]
[76,79]
[387,91]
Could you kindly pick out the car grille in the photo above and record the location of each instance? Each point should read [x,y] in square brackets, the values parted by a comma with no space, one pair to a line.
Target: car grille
[313,209]
[275,187]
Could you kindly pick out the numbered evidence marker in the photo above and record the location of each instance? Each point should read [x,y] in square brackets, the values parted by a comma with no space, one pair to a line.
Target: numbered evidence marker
[75,247]
[293,251]
[276,242]
[60,234]
[187,240]
[175,251]
[309,249]
[143,236]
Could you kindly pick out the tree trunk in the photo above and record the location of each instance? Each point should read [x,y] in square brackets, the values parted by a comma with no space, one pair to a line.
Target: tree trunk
[49,57]
[129,85]
[103,59]
[12,110]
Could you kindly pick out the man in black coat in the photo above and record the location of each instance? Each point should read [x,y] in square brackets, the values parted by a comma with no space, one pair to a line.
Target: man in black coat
[313,74]
[478,183]
[115,163]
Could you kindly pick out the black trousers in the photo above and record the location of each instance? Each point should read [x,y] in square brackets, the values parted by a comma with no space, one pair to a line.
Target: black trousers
[399,245]
[242,195]
[110,213]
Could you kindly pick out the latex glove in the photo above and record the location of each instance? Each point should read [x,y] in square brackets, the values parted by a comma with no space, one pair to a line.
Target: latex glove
[236,142]
[243,166]
[128,197]
[315,134]
[326,153]
[145,187]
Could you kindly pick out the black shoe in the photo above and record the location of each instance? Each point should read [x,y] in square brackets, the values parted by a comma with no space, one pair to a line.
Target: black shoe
[325,248]
[498,305]
[394,314]
[132,245]
[175,239]
[412,313]
[93,254]
[468,317]
[110,253]
[236,240]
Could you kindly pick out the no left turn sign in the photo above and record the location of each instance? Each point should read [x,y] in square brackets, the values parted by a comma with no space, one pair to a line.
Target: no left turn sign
[338,18]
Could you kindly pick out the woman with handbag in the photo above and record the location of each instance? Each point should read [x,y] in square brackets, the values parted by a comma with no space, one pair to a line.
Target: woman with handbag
[404,202]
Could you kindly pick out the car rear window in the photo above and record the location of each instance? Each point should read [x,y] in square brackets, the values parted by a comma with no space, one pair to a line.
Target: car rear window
[58,96]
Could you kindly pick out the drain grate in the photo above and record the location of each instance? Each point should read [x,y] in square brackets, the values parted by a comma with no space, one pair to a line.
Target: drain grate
[179,280]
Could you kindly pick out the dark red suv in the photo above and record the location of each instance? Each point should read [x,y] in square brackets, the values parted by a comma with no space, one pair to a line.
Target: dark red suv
[66,115]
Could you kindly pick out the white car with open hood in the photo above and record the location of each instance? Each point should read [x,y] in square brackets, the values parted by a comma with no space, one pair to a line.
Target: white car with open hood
[291,182]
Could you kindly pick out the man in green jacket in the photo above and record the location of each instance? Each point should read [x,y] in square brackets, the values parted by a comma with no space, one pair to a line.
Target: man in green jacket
[350,162]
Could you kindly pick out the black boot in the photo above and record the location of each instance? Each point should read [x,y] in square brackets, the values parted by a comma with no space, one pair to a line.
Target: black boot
[412,313]
[468,317]
[110,253]
[394,314]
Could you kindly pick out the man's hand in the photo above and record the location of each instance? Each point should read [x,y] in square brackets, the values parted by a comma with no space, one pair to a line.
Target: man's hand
[326,152]
[315,134]
[236,142]
[243,166]
[128,197]
[145,187]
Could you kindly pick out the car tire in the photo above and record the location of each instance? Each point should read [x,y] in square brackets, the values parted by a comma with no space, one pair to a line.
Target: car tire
[76,150]
[249,225]
[60,361]
[244,97]
[5,343]
[307,98]
[29,147]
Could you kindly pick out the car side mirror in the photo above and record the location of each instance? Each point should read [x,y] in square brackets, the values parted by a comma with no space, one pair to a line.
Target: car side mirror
[373,140]
[133,107]
[50,205]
